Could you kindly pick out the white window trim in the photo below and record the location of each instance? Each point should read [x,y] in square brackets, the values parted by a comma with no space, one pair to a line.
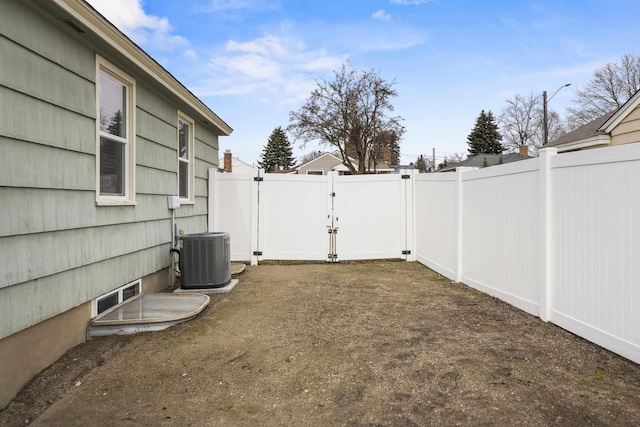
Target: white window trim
[190,199]
[129,198]
[94,302]
[311,172]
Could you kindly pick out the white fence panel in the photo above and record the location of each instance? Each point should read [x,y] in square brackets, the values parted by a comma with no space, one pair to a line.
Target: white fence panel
[596,208]
[435,212]
[371,215]
[500,233]
[233,209]
[294,217]
[554,236]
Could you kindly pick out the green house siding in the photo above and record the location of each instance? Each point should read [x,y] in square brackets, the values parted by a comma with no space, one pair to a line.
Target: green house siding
[37,300]
[61,249]
[27,118]
[44,37]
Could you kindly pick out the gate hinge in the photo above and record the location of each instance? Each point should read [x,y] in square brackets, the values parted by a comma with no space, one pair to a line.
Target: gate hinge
[332,194]
[332,256]
[406,176]
[406,252]
[258,178]
[257,253]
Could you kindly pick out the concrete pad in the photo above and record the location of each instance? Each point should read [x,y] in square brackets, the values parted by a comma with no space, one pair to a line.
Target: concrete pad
[222,290]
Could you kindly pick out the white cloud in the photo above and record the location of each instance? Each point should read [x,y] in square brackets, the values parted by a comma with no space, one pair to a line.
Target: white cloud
[411,2]
[279,68]
[145,30]
[268,45]
[229,5]
[381,15]
[190,53]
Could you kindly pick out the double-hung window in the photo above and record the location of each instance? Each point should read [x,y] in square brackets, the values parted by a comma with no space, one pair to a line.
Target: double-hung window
[116,135]
[185,159]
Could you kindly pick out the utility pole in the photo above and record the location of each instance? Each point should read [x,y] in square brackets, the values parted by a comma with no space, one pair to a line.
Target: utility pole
[433,155]
[545,125]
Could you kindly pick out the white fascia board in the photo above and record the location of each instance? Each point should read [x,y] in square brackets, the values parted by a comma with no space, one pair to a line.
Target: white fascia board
[594,141]
[622,113]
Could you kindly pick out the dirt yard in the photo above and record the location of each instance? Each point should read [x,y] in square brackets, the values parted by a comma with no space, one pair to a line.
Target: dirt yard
[355,344]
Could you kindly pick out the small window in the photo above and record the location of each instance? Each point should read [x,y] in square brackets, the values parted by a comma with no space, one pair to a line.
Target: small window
[115,93]
[107,302]
[315,173]
[185,158]
[115,297]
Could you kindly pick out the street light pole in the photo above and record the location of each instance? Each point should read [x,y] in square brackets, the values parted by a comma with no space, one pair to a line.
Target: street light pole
[545,123]
[545,128]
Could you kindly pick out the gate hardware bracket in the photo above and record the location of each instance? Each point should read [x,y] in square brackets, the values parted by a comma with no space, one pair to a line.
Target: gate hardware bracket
[257,253]
[406,176]
[407,252]
[258,178]
[332,194]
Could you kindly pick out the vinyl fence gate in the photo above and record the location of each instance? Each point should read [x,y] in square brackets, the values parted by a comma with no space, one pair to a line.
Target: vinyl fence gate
[310,217]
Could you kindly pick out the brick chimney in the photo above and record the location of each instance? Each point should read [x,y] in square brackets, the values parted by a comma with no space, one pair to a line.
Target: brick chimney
[227,161]
[524,150]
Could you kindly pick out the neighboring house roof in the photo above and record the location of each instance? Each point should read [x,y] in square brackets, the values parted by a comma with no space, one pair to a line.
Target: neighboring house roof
[285,171]
[485,160]
[599,132]
[80,15]
[326,162]
[588,134]
[383,167]
[333,162]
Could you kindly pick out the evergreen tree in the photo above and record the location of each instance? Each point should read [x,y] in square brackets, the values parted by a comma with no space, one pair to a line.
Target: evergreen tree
[484,137]
[278,152]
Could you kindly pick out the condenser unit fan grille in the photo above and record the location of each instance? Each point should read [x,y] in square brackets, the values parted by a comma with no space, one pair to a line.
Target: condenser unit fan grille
[205,260]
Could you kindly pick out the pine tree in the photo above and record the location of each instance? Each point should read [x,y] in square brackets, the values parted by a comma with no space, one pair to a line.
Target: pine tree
[278,152]
[484,137]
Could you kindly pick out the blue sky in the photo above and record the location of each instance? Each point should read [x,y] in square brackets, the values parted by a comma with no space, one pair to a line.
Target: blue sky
[254,61]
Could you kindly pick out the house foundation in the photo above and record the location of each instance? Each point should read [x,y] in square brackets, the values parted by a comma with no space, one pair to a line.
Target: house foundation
[25,354]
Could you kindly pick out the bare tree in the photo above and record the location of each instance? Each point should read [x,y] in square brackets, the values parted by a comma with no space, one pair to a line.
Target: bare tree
[349,113]
[385,147]
[521,123]
[306,158]
[556,128]
[609,88]
[451,159]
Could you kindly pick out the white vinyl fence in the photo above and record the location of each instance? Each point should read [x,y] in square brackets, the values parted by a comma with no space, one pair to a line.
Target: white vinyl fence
[554,236]
[557,236]
[310,217]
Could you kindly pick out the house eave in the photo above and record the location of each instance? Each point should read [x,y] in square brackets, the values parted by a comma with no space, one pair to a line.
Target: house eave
[592,142]
[113,37]
[622,113]
[341,167]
